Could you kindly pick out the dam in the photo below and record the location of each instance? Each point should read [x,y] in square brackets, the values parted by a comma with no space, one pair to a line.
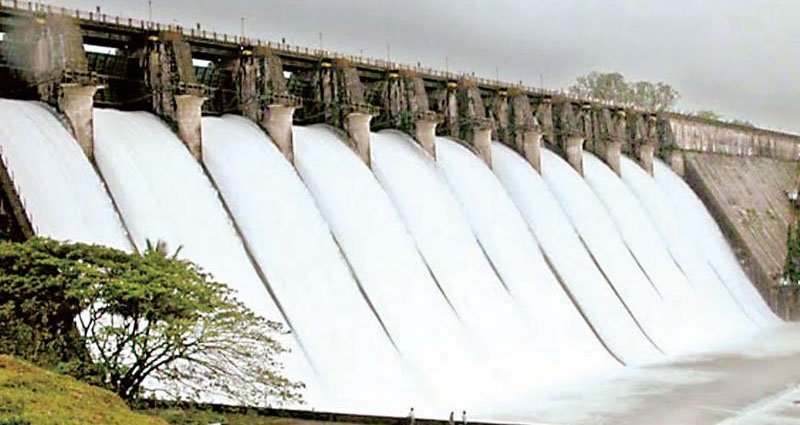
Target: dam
[432,240]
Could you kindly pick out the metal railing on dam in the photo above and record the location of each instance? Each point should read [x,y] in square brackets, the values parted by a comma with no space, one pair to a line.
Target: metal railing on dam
[96,21]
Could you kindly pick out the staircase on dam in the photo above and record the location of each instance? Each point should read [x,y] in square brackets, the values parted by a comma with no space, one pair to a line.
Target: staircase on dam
[406,223]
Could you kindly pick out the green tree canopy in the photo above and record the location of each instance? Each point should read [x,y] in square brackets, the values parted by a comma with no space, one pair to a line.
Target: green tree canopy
[149,322]
[613,86]
[707,114]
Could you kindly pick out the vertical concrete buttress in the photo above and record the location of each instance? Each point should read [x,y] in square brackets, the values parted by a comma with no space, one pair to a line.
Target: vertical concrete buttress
[482,142]
[277,121]
[188,116]
[404,105]
[76,102]
[573,151]
[49,53]
[570,126]
[532,148]
[176,95]
[516,126]
[264,97]
[609,137]
[357,127]
[465,119]
[425,135]
[676,162]
[611,155]
[643,138]
[644,155]
[340,98]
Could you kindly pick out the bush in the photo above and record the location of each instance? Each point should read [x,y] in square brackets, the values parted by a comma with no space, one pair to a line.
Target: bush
[149,322]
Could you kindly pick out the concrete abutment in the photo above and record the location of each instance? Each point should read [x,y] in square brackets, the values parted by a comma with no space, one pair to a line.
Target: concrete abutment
[76,102]
[188,117]
[425,135]
[358,130]
[277,122]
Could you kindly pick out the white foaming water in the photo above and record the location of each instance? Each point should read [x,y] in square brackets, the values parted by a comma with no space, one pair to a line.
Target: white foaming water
[640,235]
[444,238]
[163,194]
[574,265]
[386,262]
[598,232]
[707,233]
[564,342]
[63,197]
[351,353]
[723,312]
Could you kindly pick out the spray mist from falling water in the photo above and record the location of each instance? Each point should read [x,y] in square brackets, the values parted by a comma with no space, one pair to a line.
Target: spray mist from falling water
[729,319]
[63,197]
[687,313]
[446,243]
[709,236]
[398,255]
[564,341]
[163,194]
[570,259]
[385,260]
[311,281]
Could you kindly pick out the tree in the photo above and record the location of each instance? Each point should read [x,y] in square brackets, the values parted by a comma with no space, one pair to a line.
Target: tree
[714,116]
[39,300]
[743,123]
[154,323]
[609,86]
[613,86]
[707,115]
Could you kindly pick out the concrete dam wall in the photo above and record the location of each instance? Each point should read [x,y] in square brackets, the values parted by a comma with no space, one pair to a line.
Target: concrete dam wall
[432,240]
[744,176]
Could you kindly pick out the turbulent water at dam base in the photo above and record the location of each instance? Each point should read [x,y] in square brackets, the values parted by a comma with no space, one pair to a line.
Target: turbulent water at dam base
[439,284]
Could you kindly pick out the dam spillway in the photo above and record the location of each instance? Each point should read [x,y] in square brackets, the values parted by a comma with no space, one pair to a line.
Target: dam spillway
[360,270]
[445,270]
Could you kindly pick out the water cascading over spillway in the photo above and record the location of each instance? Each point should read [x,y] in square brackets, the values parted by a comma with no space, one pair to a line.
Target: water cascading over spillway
[350,352]
[564,341]
[691,331]
[385,260]
[568,255]
[163,194]
[63,197]
[598,233]
[730,317]
[714,245]
[456,260]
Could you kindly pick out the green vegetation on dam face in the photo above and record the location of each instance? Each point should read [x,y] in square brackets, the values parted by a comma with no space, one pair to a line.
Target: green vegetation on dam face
[33,396]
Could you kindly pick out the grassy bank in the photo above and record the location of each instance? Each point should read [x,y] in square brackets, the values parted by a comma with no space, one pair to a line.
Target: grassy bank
[33,396]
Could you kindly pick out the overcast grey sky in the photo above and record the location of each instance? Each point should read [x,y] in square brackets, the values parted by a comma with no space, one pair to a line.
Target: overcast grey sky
[737,57]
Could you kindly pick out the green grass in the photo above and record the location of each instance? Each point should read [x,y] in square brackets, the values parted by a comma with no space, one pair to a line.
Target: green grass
[33,396]
[175,416]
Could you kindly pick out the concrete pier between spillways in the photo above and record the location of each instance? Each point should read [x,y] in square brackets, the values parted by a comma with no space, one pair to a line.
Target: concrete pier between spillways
[277,86]
[278,124]
[77,103]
